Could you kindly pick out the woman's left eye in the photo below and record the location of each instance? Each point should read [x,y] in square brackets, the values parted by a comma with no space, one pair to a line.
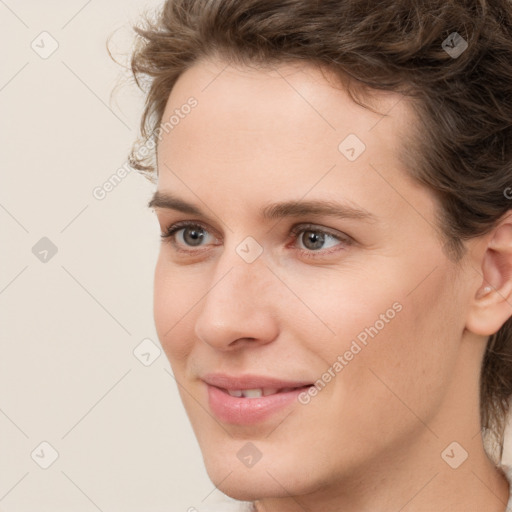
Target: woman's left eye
[312,238]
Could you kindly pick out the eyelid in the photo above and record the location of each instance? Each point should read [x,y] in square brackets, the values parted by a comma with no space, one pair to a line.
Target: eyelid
[175,226]
[307,226]
[297,228]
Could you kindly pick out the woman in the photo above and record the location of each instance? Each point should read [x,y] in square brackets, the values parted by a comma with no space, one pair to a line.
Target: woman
[334,285]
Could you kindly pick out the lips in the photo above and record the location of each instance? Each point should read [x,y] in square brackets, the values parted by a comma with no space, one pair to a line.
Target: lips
[249,399]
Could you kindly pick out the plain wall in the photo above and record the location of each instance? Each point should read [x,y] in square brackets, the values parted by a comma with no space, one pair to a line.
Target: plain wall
[69,326]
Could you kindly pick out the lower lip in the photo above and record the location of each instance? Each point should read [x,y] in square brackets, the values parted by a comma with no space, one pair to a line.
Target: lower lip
[247,411]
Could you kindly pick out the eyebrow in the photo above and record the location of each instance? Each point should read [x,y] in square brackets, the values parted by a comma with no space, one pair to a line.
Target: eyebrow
[166,200]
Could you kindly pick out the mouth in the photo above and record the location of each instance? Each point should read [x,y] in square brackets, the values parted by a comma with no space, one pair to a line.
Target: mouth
[259,392]
[249,400]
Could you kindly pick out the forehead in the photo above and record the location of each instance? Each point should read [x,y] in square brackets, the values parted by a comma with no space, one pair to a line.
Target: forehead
[299,96]
[287,129]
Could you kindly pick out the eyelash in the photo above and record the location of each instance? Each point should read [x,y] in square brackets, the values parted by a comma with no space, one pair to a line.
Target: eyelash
[168,237]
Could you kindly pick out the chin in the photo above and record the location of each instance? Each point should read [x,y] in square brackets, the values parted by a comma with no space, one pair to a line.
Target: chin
[265,479]
[246,485]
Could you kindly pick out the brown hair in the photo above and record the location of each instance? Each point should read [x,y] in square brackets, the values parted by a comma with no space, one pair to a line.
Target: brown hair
[462,149]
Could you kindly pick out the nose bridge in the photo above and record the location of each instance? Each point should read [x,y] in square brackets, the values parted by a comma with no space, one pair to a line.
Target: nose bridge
[241,270]
[235,305]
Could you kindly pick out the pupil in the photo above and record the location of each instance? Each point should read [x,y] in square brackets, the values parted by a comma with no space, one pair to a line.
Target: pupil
[316,239]
[195,236]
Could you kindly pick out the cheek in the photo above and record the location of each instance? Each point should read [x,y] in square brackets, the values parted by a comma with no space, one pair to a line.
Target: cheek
[342,311]
[173,303]
[402,373]
[386,323]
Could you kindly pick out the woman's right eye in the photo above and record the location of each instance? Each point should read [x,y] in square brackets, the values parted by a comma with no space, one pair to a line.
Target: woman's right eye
[185,234]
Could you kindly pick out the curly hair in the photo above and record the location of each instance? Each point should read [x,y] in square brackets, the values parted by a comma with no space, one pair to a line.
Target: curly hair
[462,147]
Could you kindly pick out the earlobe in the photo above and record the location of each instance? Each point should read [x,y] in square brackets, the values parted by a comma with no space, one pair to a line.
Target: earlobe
[492,303]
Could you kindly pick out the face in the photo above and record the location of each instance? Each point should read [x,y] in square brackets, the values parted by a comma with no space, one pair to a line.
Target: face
[332,319]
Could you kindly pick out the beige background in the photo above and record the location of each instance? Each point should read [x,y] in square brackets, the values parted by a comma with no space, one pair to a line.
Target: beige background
[68,375]
[69,325]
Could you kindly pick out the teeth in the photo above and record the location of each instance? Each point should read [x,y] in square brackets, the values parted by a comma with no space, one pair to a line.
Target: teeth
[253,393]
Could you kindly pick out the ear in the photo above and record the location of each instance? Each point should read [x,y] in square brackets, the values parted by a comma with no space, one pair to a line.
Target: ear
[492,303]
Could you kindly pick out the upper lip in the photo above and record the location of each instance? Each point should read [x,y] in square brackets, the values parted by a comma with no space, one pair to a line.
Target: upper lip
[240,382]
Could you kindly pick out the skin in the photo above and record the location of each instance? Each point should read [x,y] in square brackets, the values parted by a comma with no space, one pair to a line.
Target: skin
[372,439]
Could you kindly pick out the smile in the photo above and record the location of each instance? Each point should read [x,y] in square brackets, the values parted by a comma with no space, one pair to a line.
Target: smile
[250,399]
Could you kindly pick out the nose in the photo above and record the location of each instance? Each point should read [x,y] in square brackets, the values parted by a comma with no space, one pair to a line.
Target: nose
[239,306]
